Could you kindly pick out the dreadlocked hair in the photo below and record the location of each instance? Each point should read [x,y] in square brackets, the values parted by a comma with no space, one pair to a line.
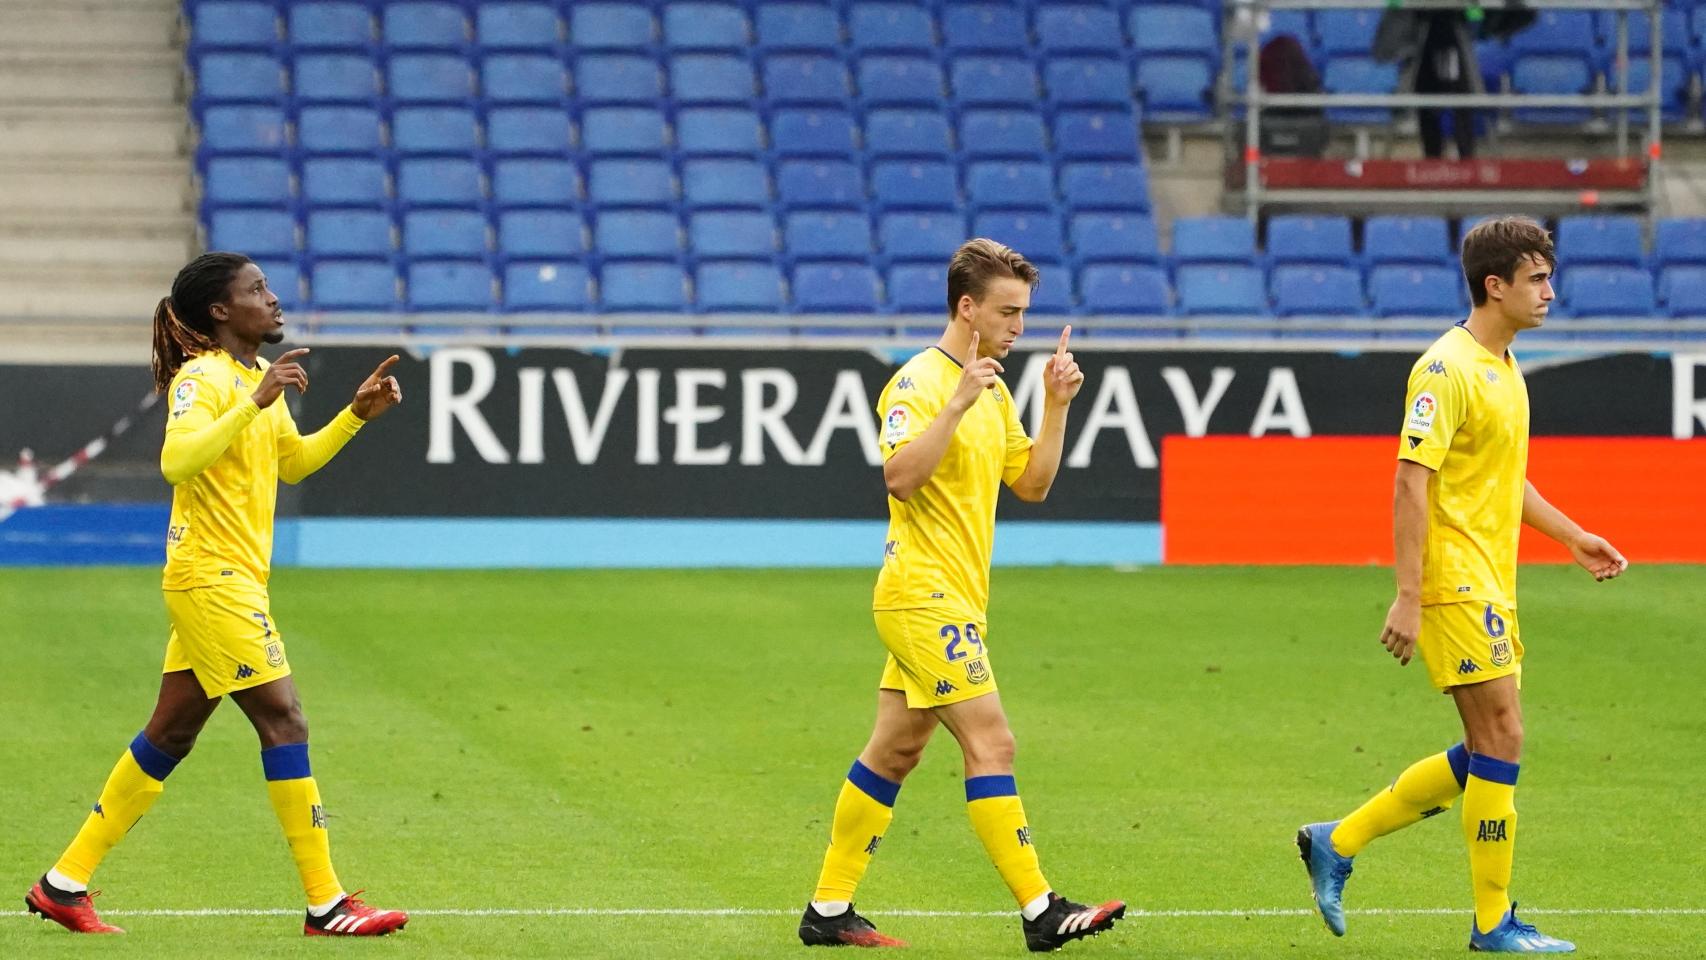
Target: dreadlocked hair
[183,327]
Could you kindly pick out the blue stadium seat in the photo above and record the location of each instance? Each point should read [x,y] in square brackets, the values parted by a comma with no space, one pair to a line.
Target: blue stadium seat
[1293,23]
[234,24]
[827,235]
[523,78]
[611,26]
[529,130]
[244,181]
[335,78]
[1095,135]
[344,182]
[1563,32]
[1608,292]
[1348,74]
[635,286]
[1051,296]
[246,130]
[1296,238]
[907,133]
[732,234]
[255,233]
[1213,240]
[1674,82]
[995,82]
[984,27]
[697,79]
[1318,291]
[450,285]
[901,81]
[1552,73]
[284,279]
[1010,185]
[1078,28]
[623,130]
[1394,239]
[424,25]
[724,183]
[806,79]
[349,233]
[1224,289]
[705,26]
[1115,236]
[1175,30]
[1679,240]
[1036,235]
[445,233]
[419,130]
[546,286]
[516,26]
[1125,289]
[607,78]
[1600,240]
[921,236]
[440,182]
[339,130]
[813,133]
[1684,291]
[237,77]
[797,27]
[890,27]
[1416,291]
[1087,82]
[330,25]
[917,288]
[630,183]
[637,233]
[1105,186]
[820,185]
[1346,32]
[364,285]
[429,78]
[738,287]
[535,182]
[541,235]
[1176,88]
[713,131]
[914,185]
[998,134]
[835,288]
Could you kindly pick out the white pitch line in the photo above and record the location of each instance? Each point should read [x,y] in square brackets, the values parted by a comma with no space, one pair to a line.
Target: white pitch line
[788,912]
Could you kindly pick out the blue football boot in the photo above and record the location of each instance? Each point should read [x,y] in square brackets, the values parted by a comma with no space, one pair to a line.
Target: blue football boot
[1514,936]
[1327,872]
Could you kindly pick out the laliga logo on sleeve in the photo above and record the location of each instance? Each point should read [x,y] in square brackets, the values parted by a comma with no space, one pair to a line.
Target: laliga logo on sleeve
[182,396]
[895,425]
[1422,412]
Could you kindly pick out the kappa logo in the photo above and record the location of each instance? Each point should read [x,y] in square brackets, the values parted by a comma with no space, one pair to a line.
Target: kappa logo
[98,811]
[1468,666]
[1492,376]
[1492,831]
[871,848]
[244,671]
[1437,367]
[904,383]
[943,688]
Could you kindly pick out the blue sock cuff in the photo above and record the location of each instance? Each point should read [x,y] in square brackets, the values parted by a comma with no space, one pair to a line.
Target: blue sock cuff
[1458,757]
[1493,769]
[286,762]
[982,788]
[155,762]
[882,790]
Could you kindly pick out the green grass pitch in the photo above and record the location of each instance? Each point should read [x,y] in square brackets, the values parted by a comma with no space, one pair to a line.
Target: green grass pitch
[617,740]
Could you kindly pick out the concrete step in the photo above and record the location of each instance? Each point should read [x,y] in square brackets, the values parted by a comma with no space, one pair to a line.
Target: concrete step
[72,25]
[114,340]
[159,132]
[29,77]
[25,248]
[34,188]
[81,289]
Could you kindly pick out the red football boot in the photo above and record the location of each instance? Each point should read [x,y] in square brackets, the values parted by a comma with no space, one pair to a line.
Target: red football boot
[73,911]
[352,918]
[845,929]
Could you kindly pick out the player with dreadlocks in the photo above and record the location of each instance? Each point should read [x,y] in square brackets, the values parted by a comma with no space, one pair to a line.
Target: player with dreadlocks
[228,442]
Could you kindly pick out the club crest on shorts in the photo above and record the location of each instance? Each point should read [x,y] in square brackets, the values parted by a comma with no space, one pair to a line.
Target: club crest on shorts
[976,672]
[275,653]
[1501,652]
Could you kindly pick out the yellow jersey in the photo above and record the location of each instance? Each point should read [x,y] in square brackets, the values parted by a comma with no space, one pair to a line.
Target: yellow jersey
[1466,418]
[224,457]
[940,538]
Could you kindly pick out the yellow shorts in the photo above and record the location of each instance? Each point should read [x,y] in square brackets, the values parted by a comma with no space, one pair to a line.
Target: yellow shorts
[1473,642]
[226,635]
[936,657]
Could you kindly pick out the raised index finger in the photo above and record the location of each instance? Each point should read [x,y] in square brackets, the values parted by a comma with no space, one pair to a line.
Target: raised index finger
[290,355]
[1065,333]
[971,352]
[384,365]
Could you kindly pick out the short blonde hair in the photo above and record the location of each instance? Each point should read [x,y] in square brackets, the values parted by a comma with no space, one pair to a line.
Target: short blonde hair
[979,261]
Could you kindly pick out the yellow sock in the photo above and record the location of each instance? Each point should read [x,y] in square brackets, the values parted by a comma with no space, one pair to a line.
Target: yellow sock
[296,799]
[862,815]
[999,819]
[1426,788]
[1489,827]
[132,787]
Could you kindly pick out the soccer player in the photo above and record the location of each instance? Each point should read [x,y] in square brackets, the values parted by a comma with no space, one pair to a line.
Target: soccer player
[951,437]
[1460,502]
[229,440]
